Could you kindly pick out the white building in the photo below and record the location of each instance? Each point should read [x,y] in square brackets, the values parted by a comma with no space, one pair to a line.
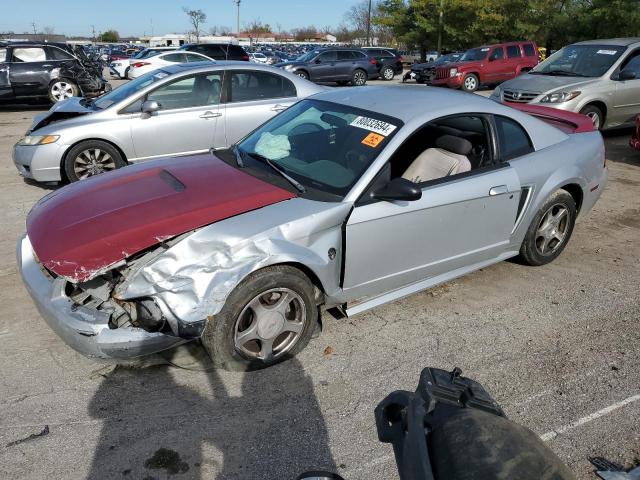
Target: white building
[178,39]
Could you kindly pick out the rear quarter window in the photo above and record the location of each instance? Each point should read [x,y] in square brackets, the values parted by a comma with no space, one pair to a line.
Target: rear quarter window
[513,51]
[512,138]
[529,51]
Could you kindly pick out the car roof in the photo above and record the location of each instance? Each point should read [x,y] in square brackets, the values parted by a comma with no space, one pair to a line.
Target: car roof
[622,42]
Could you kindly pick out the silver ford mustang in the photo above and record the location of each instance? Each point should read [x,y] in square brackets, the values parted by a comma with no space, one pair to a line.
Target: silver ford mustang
[347,200]
[176,110]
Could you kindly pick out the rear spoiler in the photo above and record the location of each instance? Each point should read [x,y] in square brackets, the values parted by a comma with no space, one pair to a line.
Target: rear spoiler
[568,122]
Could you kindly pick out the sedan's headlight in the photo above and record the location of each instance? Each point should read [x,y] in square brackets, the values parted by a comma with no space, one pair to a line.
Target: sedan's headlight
[116,64]
[453,72]
[559,97]
[38,139]
[497,92]
[289,67]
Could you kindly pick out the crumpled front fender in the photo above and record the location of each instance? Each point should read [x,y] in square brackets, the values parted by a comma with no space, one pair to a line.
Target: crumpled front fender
[193,278]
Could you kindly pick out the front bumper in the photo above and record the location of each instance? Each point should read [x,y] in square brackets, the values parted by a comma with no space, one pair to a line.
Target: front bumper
[39,162]
[84,329]
[451,82]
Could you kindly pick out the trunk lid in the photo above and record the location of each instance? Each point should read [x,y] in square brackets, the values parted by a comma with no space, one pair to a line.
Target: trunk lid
[84,229]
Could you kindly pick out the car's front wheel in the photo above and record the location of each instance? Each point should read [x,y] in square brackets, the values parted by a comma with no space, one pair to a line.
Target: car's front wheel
[387,73]
[470,83]
[595,114]
[302,74]
[90,158]
[269,317]
[62,89]
[550,229]
[358,78]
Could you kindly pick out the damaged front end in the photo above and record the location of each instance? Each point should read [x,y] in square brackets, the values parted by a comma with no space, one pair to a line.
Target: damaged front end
[89,319]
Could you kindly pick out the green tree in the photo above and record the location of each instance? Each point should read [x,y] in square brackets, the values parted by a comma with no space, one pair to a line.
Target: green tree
[110,36]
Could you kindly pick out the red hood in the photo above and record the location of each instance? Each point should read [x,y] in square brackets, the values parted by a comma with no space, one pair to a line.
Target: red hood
[84,228]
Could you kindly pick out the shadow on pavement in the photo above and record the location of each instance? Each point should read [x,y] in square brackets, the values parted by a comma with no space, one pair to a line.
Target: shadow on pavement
[618,149]
[154,426]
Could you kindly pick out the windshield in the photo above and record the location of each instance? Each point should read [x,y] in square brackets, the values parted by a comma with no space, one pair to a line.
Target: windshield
[580,61]
[322,145]
[475,54]
[146,53]
[307,57]
[126,90]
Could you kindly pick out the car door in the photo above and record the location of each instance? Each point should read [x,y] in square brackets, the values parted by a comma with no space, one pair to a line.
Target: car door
[627,93]
[29,72]
[496,68]
[514,58]
[459,222]
[345,65]
[6,92]
[324,66]
[186,121]
[251,98]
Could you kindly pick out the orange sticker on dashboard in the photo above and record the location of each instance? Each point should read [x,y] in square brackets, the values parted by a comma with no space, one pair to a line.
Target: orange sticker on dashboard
[373,140]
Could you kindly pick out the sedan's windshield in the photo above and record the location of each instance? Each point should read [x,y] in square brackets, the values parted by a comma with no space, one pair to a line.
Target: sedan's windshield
[324,146]
[475,54]
[126,90]
[580,61]
[307,57]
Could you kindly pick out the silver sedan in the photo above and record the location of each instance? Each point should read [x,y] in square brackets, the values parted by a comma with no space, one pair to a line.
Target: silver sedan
[176,110]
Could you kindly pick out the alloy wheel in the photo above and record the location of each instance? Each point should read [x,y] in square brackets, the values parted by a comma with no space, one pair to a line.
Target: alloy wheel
[270,324]
[595,119]
[61,90]
[388,74]
[552,229]
[359,78]
[91,162]
[470,83]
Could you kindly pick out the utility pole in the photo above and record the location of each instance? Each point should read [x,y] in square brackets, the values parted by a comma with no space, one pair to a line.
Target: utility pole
[93,33]
[237,2]
[33,24]
[151,20]
[440,22]
[369,25]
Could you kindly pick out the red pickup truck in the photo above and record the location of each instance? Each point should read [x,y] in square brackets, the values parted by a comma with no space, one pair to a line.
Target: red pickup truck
[488,65]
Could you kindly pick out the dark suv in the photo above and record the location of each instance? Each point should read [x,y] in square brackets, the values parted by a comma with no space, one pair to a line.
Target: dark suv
[389,61]
[218,51]
[34,71]
[341,65]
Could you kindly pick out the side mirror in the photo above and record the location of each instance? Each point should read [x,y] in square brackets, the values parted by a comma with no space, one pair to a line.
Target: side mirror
[627,75]
[150,106]
[399,189]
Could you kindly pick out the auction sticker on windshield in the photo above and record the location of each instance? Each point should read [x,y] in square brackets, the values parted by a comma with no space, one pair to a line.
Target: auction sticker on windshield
[373,125]
[607,52]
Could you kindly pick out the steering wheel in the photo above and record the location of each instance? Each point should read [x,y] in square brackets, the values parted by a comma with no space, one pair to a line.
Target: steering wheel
[306,127]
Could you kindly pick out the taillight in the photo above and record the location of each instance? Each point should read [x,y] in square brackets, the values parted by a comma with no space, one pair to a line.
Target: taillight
[140,64]
[401,58]
[245,58]
[373,61]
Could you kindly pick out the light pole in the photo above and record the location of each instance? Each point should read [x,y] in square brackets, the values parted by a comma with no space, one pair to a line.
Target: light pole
[369,24]
[440,21]
[237,2]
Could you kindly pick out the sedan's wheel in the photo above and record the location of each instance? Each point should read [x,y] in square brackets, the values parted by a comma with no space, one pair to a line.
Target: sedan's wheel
[387,73]
[359,78]
[62,89]
[91,158]
[550,229]
[595,114]
[470,83]
[302,74]
[126,73]
[268,318]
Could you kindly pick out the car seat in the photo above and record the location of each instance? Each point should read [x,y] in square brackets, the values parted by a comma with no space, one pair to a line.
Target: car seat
[448,158]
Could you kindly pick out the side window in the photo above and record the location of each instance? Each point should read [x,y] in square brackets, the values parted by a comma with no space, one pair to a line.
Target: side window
[512,138]
[249,86]
[55,53]
[196,91]
[632,63]
[497,54]
[174,57]
[29,54]
[329,56]
[529,51]
[513,51]
[360,55]
[194,58]
[345,55]
[3,54]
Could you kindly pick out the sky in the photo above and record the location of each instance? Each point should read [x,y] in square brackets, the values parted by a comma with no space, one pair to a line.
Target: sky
[139,17]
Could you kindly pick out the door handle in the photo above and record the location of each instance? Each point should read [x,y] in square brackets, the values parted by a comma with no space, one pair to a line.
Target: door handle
[498,190]
[279,108]
[208,115]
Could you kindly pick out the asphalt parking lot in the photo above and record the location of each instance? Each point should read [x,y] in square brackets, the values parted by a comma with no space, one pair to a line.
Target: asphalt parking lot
[557,347]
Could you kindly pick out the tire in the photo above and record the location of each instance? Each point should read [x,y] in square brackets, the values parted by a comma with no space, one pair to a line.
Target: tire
[420,81]
[358,78]
[302,74]
[387,73]
[223,334]
[595,114]
[543,244]
[90,158]
[126,73]
[470,83]
[62,89]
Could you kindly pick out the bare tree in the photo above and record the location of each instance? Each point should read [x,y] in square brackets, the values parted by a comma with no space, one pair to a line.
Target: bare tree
[48,33]
[196,19]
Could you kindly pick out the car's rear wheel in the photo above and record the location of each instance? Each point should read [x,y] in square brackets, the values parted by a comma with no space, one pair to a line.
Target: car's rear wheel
[126,73]
[550,229]
[269,317]
[470,83]
[90,158]
[595,114]
[62,89]
[302,74]
[387,73]
[358,78]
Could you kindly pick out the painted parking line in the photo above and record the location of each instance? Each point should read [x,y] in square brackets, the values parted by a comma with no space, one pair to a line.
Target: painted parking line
[589,418]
